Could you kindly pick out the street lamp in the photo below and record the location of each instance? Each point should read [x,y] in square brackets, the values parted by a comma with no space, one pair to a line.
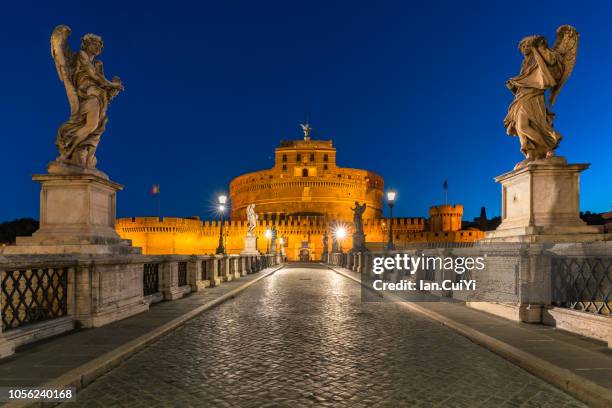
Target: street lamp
[268,235]
[391,194]
[222,200]
[340,235]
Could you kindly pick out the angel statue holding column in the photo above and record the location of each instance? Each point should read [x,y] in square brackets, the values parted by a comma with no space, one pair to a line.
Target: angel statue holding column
[89,93]
[543,69]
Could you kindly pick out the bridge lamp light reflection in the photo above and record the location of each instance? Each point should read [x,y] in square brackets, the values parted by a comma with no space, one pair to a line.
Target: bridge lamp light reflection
[340,233]
[268,234]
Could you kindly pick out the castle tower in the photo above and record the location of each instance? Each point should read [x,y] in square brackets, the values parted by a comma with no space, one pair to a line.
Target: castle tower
[445,218]
[306,181]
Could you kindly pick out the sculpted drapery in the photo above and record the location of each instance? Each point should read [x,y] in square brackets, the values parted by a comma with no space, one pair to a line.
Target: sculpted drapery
[543,69]
[89,94]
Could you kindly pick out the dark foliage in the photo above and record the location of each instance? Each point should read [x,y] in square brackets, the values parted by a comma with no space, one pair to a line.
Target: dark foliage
[9,230]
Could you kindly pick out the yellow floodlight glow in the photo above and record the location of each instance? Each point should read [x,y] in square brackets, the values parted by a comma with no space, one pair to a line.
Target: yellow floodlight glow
[340,233]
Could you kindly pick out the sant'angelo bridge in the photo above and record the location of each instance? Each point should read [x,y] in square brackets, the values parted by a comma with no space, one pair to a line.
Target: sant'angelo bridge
[177,312]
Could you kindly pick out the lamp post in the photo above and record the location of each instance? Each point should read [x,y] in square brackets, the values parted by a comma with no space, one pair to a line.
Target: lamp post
[268,235]
[222,200]
[391,194]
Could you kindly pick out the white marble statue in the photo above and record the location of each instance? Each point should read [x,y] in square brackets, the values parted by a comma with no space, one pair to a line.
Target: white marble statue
[252,218]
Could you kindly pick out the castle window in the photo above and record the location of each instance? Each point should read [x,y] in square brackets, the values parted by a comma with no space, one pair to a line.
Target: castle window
[299,157]
[325,157]
[304,172]
[325,167]
[311,156]
[284,167]
[284,158]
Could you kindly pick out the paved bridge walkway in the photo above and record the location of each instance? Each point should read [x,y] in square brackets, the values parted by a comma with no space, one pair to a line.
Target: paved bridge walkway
[301,337]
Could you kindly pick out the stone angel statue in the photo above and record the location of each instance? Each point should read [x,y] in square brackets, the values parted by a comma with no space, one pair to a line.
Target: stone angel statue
[89,93]
[273,235]
[325,243]
[252,219]
[543,69]
[358,217]
[306,129]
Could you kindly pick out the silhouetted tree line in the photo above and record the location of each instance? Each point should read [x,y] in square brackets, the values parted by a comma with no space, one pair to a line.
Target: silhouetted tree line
[482,222]
[9,230]
[485,224]
[595,218]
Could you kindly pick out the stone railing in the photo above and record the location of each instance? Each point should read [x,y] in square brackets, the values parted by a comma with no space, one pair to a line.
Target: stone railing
[565,285]
[44,295]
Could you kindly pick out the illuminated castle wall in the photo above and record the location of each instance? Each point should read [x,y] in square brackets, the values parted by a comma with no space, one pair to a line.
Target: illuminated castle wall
[305,195]
[305,181]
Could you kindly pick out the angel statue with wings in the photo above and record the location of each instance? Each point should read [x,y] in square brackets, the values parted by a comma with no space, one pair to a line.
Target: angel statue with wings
[89,93]
[542,69]
[358,216]
[252,219]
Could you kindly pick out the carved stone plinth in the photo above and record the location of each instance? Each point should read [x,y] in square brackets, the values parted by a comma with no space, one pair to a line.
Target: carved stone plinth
[359,242]
[540,203]
[250,245]
[77,215]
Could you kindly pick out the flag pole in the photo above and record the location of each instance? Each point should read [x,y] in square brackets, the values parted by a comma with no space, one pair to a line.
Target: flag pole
[156,192]
[445,187]
[159,204]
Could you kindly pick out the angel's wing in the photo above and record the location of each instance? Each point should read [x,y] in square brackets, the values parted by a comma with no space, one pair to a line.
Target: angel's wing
[566,45]
[64,59]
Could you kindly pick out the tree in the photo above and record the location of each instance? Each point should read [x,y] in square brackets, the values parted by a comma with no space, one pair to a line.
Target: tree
[9,230]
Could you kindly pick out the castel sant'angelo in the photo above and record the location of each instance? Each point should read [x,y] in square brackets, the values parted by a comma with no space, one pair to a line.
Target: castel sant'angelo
[304,196]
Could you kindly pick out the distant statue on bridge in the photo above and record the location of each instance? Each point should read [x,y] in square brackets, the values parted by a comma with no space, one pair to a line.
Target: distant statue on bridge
[335,248]
[358,217]
[325,244]
[89,93]
[273,240]
[252,218]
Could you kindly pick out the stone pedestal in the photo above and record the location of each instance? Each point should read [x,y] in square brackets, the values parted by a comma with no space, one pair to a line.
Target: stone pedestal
[250,245]
[358,242]
[77,215]
[540,203]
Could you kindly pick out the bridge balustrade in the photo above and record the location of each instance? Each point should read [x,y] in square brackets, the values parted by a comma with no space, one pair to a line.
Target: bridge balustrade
[39,296]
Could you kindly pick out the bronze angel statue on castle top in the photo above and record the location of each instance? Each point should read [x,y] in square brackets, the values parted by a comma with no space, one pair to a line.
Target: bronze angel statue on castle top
[543,69]
[89,93]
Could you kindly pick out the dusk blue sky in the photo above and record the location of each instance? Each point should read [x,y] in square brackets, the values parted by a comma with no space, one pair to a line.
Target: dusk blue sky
[412,91]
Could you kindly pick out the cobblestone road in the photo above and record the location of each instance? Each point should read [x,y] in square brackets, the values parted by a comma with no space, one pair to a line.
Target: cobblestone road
[301,337]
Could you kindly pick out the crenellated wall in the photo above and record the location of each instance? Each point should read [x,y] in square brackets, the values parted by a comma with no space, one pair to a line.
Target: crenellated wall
[192,236]
[446,217]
